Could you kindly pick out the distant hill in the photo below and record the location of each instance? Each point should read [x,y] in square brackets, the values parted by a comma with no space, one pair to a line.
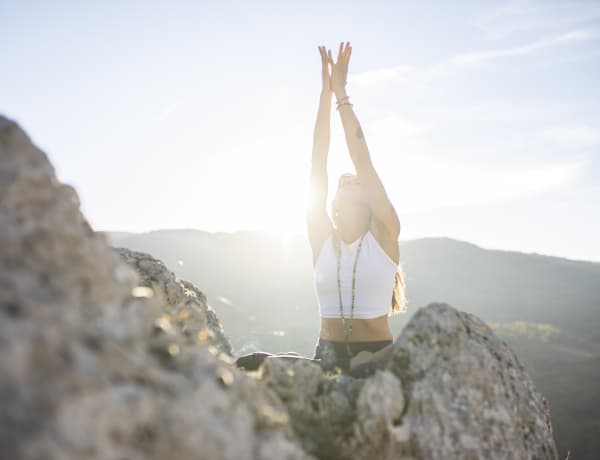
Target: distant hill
[252,272]
[262,290]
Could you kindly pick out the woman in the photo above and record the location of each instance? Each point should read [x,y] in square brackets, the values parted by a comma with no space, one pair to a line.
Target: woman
[355,256]
[356,294]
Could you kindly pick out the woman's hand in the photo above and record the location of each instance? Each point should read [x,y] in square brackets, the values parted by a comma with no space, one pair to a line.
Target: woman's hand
[360,358]
[339,69]
[325,75]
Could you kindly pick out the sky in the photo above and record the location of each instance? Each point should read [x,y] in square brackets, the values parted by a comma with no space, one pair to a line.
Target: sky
[482,118]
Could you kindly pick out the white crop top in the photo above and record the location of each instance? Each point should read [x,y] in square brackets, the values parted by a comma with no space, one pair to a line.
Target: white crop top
[374,284]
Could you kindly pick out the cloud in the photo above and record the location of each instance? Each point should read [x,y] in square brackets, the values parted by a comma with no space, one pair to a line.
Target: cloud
[424,184]
[566,38]
[571,135]
[537,17]
[419,76]
[421,177]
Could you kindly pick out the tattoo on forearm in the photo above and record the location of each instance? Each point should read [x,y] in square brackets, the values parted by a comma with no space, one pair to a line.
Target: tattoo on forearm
[359,133]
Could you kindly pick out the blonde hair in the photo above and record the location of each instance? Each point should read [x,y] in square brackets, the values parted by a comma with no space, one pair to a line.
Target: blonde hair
[399,300]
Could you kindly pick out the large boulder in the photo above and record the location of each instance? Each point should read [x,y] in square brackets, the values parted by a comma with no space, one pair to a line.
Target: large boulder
[468,396]
[91,366]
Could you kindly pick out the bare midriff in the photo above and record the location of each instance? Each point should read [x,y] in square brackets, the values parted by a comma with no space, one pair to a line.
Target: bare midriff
[363,329]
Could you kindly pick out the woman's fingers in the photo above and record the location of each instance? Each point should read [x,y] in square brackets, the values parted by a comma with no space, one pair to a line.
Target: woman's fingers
[344,53]
[324,54]
[324,60]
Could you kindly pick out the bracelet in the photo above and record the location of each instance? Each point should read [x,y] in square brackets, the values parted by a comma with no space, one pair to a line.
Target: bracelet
[340,100]
[343,103]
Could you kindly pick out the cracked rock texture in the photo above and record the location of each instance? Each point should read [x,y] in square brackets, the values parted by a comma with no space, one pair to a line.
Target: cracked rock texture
[108,355]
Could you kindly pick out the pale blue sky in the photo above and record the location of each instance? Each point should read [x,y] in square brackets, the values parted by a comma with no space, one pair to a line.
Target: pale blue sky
[482,118]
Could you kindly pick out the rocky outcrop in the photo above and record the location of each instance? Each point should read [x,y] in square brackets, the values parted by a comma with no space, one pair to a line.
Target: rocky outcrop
[106,354]
[92,366]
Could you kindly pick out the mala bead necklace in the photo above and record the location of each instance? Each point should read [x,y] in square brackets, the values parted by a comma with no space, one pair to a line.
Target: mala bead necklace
[348,331]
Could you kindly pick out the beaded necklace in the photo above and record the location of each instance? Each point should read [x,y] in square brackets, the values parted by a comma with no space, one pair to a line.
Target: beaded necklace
[348,331]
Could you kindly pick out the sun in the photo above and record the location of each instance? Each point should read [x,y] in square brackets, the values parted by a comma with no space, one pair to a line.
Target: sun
[272,200]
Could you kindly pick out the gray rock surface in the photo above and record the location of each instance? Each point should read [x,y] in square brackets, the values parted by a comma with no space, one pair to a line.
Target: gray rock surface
[91,367]
[468,396]
[107,355]
[185,312]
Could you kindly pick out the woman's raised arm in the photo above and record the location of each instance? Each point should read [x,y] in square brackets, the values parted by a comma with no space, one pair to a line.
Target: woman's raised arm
[379,202]
[317,219]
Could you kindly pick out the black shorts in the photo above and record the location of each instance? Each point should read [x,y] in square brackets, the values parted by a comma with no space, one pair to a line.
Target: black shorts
[337,354]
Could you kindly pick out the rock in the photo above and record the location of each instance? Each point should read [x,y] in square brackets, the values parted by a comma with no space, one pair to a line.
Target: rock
[107,354]
[185,311]
[90,368]
[468,396]
[379,408]
[451,390]
[321,406]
